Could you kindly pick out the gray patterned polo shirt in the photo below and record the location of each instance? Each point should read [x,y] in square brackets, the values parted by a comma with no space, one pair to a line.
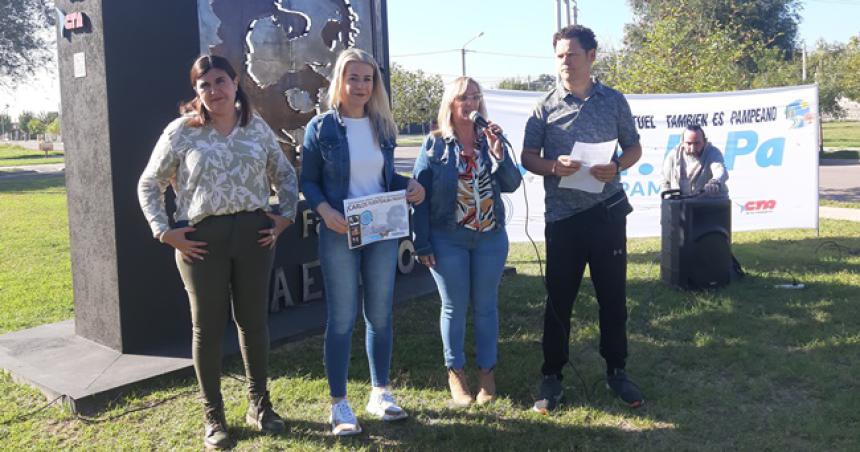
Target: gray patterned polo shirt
[214,174]
[559,120]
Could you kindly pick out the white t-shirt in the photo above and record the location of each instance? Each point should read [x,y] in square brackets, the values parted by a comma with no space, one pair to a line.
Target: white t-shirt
[365,158]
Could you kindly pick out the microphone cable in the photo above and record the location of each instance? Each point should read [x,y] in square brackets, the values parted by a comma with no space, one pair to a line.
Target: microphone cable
[588,393]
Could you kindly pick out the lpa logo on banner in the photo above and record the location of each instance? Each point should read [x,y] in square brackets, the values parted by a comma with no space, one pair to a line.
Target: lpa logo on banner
[799,113]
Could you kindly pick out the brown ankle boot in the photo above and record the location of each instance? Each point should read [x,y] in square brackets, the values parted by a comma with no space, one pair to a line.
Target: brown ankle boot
[215,436]
[459,388]
[486,386]
[262,416]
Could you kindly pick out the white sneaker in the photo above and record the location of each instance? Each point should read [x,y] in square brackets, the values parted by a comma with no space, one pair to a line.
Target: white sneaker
[343,420]
[382,405]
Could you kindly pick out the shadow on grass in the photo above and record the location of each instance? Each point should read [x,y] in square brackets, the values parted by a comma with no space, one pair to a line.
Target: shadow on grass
[428,429]
[15,185]
[743,366]
[33,155]
[780,256]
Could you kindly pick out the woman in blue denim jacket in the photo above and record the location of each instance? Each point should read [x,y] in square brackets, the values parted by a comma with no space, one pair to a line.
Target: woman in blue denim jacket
[349,152]
[460,233]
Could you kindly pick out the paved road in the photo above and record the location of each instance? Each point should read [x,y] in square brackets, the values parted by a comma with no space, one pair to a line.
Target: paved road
[404,158]
[51,169]
[839,180]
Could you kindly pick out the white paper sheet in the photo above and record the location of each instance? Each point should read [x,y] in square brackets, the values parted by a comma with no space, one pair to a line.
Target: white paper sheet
[589,154]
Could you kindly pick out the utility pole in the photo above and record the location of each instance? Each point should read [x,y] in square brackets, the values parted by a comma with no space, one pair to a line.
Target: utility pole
[558,13]
[563,20]
[567,10]
[803,58]
[463,51]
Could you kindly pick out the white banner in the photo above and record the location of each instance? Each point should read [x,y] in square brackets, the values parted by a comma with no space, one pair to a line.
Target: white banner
[769,139]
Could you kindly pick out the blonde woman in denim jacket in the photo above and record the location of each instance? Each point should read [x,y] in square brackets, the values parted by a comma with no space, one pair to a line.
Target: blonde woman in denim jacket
[349,152]
[460,233]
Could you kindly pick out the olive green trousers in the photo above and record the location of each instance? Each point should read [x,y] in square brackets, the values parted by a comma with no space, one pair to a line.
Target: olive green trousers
[234,275]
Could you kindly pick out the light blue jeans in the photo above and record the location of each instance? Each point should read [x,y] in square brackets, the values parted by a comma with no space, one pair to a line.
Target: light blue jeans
[375,264]
[468,270]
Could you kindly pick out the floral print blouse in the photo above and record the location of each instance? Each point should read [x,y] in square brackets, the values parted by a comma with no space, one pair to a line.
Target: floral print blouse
[474,195]
[213,174]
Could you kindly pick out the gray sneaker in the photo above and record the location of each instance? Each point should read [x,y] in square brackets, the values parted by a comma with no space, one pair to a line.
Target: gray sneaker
[550,395]
[625,389]
[343,420]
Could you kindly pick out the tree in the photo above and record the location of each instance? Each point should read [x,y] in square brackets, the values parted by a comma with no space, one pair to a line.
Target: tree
[680,52]
[835,67]
[24,122]
[773,23]
[543,82]
[53,127]
[851,69]
[35,128]
[48,117]
[5,124]
[24,37]
[515,83]
[415,96]
[673,57]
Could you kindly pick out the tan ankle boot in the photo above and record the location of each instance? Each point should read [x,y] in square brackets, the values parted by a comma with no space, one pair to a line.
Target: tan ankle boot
[459,388]
[486,386]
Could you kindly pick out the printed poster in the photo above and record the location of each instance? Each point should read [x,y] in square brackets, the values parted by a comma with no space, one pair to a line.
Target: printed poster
[373,218]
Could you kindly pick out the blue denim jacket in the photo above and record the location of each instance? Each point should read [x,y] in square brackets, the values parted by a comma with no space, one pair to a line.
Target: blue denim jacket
[325,162]
[436,170]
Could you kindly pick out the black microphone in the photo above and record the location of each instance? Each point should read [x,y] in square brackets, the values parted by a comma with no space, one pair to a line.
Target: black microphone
[478,120]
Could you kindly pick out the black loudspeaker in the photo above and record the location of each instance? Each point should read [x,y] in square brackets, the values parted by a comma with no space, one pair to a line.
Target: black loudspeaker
[697,242]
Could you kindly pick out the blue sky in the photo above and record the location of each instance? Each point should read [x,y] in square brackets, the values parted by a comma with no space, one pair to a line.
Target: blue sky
[512,27]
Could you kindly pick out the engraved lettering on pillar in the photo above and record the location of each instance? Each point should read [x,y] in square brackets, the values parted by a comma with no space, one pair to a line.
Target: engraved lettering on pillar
[280,290]
[312,281]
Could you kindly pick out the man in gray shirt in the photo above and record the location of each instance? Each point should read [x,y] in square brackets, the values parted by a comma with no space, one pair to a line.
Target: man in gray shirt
[582,227]
[695,166]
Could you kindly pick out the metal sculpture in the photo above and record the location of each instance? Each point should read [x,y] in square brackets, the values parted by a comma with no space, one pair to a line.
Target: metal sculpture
[286,49]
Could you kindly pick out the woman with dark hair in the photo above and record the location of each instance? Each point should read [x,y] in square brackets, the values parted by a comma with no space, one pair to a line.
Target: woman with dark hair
[460,232]
[349,152]
[222,160]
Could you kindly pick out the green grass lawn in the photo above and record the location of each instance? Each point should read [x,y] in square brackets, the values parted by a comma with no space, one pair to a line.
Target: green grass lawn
[410,140]
[843,204]
[841,134]
[18,156]
[35,273]
[747,367]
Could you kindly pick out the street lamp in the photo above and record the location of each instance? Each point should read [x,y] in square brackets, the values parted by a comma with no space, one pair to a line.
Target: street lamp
[463,51]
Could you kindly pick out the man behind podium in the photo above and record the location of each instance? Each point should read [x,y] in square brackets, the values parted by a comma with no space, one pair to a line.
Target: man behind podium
[695,166]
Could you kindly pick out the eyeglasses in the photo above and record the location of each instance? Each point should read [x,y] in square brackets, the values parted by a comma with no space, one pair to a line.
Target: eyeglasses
[468,97]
